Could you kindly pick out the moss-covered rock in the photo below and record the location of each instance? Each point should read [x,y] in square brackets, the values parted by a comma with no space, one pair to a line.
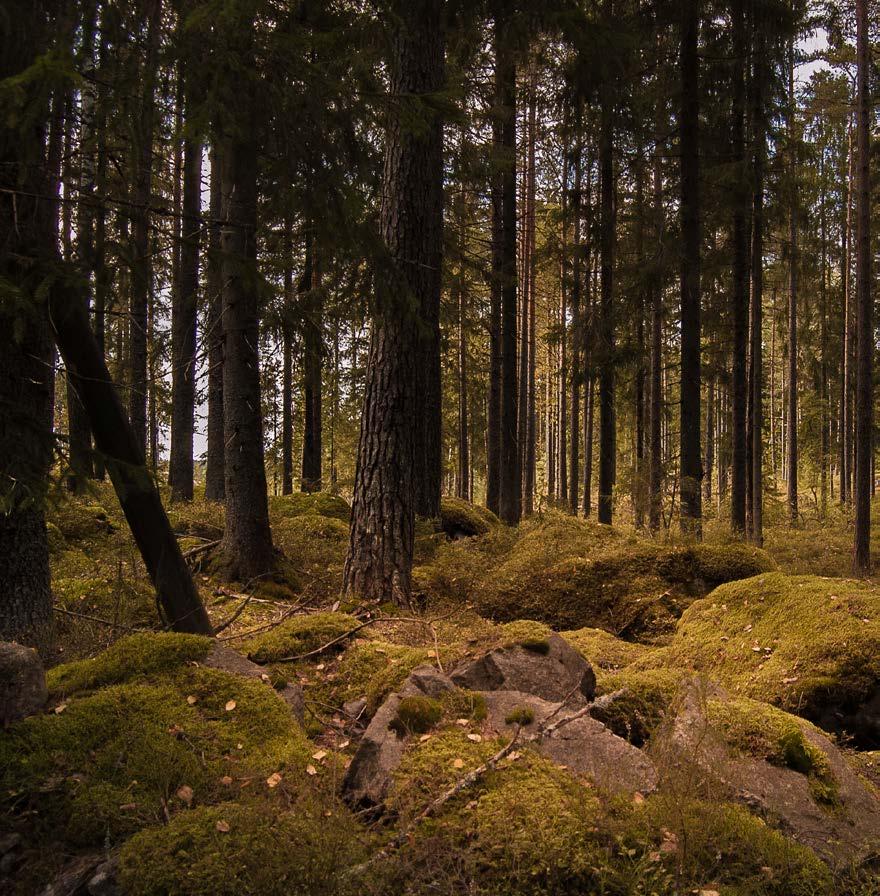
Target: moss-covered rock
[416,715]
[572,573]
[804,643]
[302,503]
[643,704]
[55,538]
[461,519]
[131,657]
[79,518]
[298,635]
[603,650]
[253,848]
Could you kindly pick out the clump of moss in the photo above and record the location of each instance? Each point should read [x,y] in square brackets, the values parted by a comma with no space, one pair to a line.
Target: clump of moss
[129,658]
[604,650]
[318,543]
[303,503]
[79,518]
[55,538]
[113,761]
[768,733]
[416,715]
[199,518]
[522,715]
[461,703]
[461,518]
[807,644]
[298,635]
[643,704]
[251,848]
[525,633]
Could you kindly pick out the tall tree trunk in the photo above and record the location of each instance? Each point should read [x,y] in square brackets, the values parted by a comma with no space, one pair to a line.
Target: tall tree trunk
[864,326]
[607,421]
[739,292]
[793,261]
[287,370]
[141,265]
[639,481]
[689,122]
[655,438]
[183,313]
[825,438]
[464,463]
[759,81]
[493,422]
[576,324]
[313,348]
[29,252]
[510,492]
[215,476]
[529,453]
[247,541]
[379,561]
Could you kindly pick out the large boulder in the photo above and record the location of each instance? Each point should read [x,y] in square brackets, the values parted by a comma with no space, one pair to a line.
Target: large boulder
[22,683]
[549,668]
[777,765]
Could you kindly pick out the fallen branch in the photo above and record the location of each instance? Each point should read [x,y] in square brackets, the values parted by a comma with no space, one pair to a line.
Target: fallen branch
[98,619]
[199,549]
[234,616]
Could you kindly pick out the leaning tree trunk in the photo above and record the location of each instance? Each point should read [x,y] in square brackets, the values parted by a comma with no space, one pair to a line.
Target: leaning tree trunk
[247,541]
[183,316]
[689,119]
[864,326]
[27,253]
[379,561]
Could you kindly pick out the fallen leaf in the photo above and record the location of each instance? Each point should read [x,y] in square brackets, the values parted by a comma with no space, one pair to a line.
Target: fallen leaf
[60,708]
[185,793]
[638,799]
[319,755]
[344,744]
[192,699]
[223,826]
[230,705]
[273,780]
[320,666]
[311,770]
[424,737]
[458,763]
[226,780]
[127,807]
[463,722]
[476,738]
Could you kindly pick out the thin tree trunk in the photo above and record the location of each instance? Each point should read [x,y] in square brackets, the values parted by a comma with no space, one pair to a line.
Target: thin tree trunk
[463,483]
[287,370]
[215,476]
[655,487]
[864,326]
[531,283]
[493,440]
[792,443]
[576,324]
[313,326]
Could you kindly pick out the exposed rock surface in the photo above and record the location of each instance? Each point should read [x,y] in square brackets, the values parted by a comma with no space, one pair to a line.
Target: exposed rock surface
[556,672]
[22,683]
[847,831]
[227,660]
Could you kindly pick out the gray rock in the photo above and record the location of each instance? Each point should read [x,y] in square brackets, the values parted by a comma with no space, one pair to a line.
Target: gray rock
[381,748]
[354,709]
[848,832]
[227,660]
[22,683]
[584,746]
[103,882]
[558,674]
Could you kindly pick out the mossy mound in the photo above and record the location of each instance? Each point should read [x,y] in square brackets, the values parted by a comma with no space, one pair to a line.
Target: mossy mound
[55,538]
[771,734]
[643,705]
[572,573]
[297,636]
[79,518]
[129,658]
[230,850]
[604,650]
[806,644]
[461,519]
[142,733]
[198,518]
[302,503]
[529,827]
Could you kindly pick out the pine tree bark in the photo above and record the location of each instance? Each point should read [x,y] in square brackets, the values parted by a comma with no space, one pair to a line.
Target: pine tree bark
[247,542]
[739,292]
[793,261]
[183,314]
[463,480]
[691,461]
[313,347]
[655,438]
[28,252]
[215,476]
[493,415]
[379,561]
[864,309]
[529,318]
[287,371]
[141,265]
[510,490]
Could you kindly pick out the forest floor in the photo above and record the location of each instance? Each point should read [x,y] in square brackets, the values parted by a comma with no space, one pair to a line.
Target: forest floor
[169,775]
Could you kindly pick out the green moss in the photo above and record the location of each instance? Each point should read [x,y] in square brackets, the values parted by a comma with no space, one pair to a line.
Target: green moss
[571,573]
[604,650]
[459,517]
[127,659]
[525,633]
[113,761]
[416,715]
[78,518]
[799,642]
[261,849]
[55,537]
[768,733]
[298,635]
[522,715]
[199,518]
[301,504]
[643,705]
[462,703]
